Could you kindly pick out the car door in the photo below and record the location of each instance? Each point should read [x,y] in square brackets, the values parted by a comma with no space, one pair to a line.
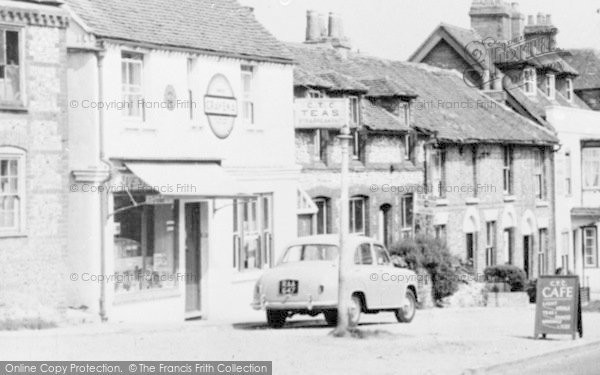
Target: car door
[392,284]
[364,274]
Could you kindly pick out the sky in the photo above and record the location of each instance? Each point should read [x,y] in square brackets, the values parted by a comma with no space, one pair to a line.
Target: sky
[394,29]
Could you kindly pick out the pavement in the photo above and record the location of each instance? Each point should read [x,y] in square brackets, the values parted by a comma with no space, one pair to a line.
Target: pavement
[438,341]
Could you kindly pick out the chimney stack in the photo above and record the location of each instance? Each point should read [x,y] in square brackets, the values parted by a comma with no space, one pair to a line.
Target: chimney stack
[323,25]
[335,26]
[492,19]
[313,32]
[549,19]
[541,19]
[517,20]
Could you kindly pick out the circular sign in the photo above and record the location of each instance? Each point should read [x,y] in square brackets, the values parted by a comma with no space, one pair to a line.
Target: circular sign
[220,106]
[170,97]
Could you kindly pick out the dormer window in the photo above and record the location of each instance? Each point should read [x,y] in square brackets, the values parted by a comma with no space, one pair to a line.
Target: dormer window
[569,84]
[314,94]
[550,86]
[530,81]
[404,113]
[354,114]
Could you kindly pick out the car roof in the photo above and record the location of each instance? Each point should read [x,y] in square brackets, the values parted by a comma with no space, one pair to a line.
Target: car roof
[330,239]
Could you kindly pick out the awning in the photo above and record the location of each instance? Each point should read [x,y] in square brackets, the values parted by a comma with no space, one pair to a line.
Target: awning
[188,179]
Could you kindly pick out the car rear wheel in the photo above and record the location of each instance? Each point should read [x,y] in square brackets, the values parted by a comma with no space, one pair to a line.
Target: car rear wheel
[276,318]
[406,313]
[331,317]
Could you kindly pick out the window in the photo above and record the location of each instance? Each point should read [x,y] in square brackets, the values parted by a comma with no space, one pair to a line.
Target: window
[568,174]
[471,248]
[474,165]
[407,216]
[314,93]
[530,81]
[507,170]
[407,147]
[569,84]
[404,113]
[490,243]
[363,254]
[543,252]
[252,233]
[248,94]
[386,228]
[508,241]
[590,247]
[10,67]
[381,255]
[438,173]
[321,141]
[358,206]
[190,75]
[540,174]
[591,167]
[354,110]
[565,251]
[323,218]
[131,80]
[440,232]
[12,190]
[550,81]
[144,245]
[357,145]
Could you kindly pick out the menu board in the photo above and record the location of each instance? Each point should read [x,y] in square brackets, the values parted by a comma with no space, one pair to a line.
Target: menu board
[558,309]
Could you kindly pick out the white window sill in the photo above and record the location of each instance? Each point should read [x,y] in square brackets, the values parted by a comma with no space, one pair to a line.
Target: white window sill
[12,234]
[472,201]
[254,128]
[539,203]
[509,198]
[441,202]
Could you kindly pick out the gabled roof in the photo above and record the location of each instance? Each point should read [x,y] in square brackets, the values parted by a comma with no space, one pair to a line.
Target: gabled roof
[378,119]
[442,97]
[342,82]
[303,78]
[587,63]
[221,27]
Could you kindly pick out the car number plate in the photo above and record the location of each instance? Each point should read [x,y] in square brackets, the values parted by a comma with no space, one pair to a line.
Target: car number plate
[288,287]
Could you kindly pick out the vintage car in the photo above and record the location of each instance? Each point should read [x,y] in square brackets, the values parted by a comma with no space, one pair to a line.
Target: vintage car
[305,281]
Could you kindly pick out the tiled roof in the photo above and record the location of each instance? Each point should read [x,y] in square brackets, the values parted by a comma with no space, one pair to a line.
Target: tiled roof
[377,118]
[587,63]
[383,87]
[303,78]
[442,95]
[342,82]
[220,27]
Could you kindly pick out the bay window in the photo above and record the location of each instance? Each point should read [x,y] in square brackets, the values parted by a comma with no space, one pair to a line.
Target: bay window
[252,233]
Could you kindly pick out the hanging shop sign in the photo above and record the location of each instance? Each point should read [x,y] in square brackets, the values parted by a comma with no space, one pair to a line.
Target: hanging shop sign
[220,106]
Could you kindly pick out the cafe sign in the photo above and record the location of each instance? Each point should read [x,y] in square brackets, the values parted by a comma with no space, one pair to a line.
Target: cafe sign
[321,113]
[558,309]
[220,106]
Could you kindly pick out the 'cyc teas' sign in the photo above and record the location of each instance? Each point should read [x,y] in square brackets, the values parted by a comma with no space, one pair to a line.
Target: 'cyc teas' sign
[321,113]
[558,309]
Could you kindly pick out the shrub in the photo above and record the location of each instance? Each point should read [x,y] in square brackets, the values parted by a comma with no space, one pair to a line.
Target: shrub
[432,255]
[512,275]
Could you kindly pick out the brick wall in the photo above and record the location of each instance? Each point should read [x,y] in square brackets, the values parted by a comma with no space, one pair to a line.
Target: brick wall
[33,264]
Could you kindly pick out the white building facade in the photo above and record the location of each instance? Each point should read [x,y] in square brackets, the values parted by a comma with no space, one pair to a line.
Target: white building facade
[183,168]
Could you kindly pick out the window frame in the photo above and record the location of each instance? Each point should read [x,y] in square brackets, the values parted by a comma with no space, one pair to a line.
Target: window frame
[352,211]
[22,100]
[13,153]
[568,174]
[550,83]
[325,213]
[507,170]
[438,173]
[543,239]
[587,163]
[570,91]
[490,243]
[539,173]
[407,147]
[126,88]
[354,110]
[594,249]
[529,81]
[248,97]
[320,140]
[406,227]
[261,230]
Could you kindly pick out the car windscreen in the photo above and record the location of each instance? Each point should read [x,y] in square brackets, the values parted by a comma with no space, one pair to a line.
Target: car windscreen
[310,253]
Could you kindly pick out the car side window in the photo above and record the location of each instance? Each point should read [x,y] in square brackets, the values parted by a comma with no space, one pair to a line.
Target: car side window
[382,256]
[363,254]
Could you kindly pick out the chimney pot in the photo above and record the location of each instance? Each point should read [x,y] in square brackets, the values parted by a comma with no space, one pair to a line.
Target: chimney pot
[323,25]
[540,19]
[313,31]
[549,19]
[515,6]
[335,26]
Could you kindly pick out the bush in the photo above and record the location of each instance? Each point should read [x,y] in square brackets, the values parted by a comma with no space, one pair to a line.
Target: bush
[426,252]
[512,275]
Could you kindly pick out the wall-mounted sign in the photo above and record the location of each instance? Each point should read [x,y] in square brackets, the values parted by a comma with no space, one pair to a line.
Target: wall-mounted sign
[321,113]
[220,106]
[558,309]
[170,97]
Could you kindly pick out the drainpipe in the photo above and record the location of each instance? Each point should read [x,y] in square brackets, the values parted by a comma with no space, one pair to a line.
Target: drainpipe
[104,195]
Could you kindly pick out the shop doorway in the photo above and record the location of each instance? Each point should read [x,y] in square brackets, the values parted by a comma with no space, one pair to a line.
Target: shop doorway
[196,236]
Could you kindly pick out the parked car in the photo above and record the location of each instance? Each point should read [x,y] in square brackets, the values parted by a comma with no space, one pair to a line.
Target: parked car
[305,281]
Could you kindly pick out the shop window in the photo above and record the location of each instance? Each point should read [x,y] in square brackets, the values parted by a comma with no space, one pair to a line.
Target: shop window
[543,252]
[590,247]
[144,245]
[323,215]
[591,167]
[438,173]
[539,174]
[490,243]
[12,190]
[132,87]
[248,94]
[530,81]
[507,170]
[252,233]
[358,207]
[10,67]
[407,216]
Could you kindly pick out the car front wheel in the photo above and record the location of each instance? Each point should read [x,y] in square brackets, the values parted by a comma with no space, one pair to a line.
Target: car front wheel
[406,313]
[276,318]
[331,317]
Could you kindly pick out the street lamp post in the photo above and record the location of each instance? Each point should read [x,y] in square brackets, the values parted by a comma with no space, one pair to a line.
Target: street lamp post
[345,255]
